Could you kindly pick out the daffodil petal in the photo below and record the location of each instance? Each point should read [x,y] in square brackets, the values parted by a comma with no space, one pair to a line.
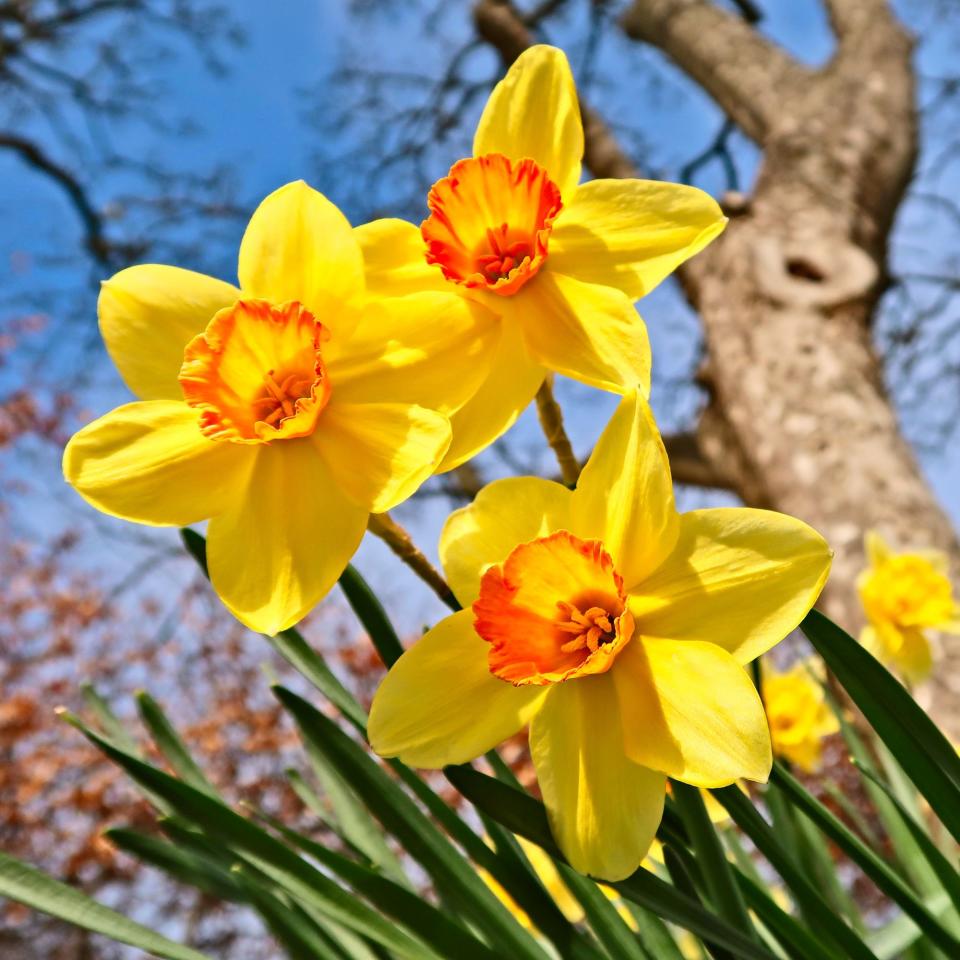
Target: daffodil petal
[603,808]
[148,462]
[739,578]
[584,331]
[148,314]
[278,551]
[299,246]
[534,112]
[690,710]
[505,514]
[394,255]
[877,549]
[379,453]
[430,348]
[512,381]
[440,704]
[625,494]
[630,234]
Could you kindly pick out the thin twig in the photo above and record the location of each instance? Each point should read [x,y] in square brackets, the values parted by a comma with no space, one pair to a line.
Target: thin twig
[401,543]
[551,421]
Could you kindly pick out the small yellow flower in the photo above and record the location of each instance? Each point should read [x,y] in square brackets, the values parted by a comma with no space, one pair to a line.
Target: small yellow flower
[799,716]
[904,594]
[561,262]
[284,411]
[613,625]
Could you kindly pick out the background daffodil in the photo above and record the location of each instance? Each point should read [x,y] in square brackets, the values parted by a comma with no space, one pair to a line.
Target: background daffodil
[285,410]
[798,714]
[617,629]
[561,262]
[903,596]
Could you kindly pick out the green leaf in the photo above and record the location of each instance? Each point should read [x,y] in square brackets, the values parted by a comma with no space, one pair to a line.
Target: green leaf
[815,909]
[181,864]
[108,720]
[894,940]
[171,746]
[303,881]
[603,917]
[525,816]
[916,743]
[371,614]
[718,875]
[37,890]
[879,872]
[400,817]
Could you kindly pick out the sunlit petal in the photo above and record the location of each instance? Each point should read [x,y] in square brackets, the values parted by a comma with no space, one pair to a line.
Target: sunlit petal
[440,704]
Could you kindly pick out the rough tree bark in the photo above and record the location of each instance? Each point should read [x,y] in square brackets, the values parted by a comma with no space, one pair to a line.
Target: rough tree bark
[798,417]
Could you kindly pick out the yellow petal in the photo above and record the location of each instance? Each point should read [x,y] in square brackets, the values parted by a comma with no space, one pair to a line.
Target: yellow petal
[440,704]
[511,383]
[604,809]
[148,462]
[585,331]
[690,710]
[505,514]
[278,551]
[394,255]
[740,578]
[379,453]
[148,314]
[625,494]
[630,234]
[434,349]
[534,112]
[299,246]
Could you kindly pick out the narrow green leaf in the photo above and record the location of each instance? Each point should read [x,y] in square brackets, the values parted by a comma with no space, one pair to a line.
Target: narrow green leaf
[181,864]
[299,937]
[915,741]
[895,940]
[876,869]
[523,815]
[37,890]
[171,746]
[603,917]
[296,875]
[109,722]
[717,873]
[400,816]
[371,614]
[808,898]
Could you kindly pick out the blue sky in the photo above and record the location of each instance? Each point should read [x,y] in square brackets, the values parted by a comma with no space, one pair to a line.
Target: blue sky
[254,120]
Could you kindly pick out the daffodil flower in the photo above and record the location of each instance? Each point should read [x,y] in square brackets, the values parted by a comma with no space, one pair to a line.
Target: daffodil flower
[561,262]
[615,627]
[284,411]
[798,714]
[903,595]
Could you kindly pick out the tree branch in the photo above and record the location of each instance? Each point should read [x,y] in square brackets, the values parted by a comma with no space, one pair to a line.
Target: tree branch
[744,72]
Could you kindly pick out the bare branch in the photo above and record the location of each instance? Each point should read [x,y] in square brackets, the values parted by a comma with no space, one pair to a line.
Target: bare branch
[744,72]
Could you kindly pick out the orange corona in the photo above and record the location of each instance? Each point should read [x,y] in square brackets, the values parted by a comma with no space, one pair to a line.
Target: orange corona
[256,373]
[490,221]
[555,609]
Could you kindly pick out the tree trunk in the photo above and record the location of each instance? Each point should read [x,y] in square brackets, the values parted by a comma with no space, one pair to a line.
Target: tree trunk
[787,293]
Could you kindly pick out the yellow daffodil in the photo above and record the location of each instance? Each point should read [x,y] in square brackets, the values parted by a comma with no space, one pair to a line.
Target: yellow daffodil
[798,714]
[903,595]
[284,411]
[549,876]
[616,628]
[561,262]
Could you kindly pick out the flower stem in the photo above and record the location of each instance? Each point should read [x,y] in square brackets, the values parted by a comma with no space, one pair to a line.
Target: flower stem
[551,421]
[401,543]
